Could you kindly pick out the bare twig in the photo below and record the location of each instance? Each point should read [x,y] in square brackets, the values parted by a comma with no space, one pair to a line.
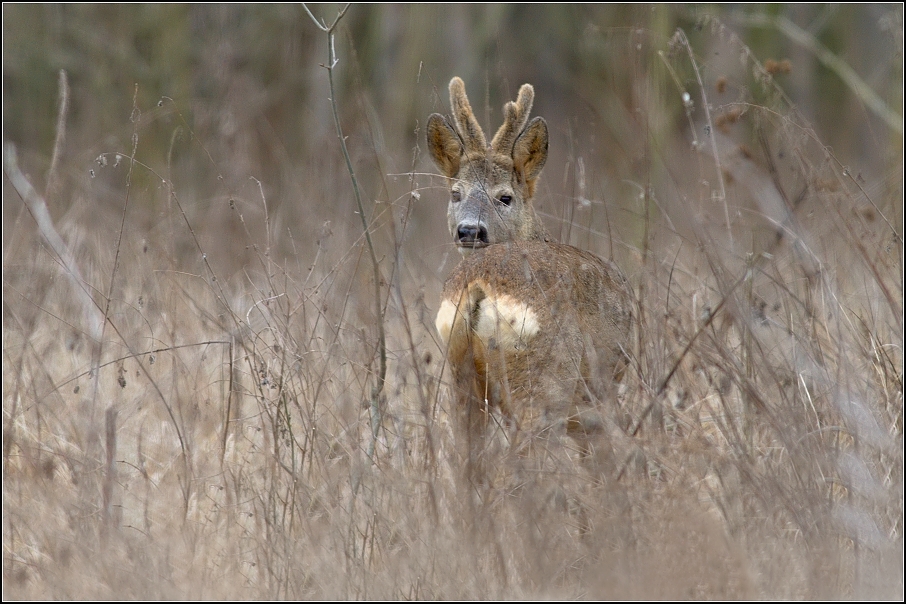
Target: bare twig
[134,118]
[681,35]
[378,388]
[134,355]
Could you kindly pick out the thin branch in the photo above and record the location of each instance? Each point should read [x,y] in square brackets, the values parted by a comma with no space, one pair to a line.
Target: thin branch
[323,26]
[134,118]
[378,388]
[720,173]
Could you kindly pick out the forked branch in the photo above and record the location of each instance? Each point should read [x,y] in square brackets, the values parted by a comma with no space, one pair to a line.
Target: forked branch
[378,388]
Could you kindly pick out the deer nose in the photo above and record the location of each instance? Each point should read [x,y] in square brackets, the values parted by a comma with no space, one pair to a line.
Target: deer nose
[472,234]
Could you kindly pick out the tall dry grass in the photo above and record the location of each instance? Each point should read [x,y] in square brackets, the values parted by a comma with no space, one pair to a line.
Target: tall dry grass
[189,381]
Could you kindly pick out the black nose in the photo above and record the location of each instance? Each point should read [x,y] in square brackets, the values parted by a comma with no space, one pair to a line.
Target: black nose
[471,234]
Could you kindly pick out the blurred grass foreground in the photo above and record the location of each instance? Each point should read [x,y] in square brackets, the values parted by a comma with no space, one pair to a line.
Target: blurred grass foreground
[211,390]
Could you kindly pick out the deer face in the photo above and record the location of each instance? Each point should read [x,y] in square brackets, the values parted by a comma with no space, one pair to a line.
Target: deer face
[488,203]
[491,186]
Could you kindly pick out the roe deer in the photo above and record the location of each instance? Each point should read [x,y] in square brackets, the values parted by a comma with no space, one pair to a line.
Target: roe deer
[533,328]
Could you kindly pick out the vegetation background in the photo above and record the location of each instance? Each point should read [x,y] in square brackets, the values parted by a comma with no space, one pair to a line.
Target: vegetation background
[195,398]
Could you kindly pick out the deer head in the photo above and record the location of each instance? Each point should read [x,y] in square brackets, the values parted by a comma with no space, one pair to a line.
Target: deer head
[491,186]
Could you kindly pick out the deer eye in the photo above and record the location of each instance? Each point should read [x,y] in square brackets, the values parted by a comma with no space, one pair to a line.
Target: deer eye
[456,195]
[505,200]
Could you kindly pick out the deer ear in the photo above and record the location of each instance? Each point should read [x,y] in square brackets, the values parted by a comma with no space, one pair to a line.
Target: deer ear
[444,145]
[530,150]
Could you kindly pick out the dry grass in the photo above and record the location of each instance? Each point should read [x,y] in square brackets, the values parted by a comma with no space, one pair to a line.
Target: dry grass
[214,442]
